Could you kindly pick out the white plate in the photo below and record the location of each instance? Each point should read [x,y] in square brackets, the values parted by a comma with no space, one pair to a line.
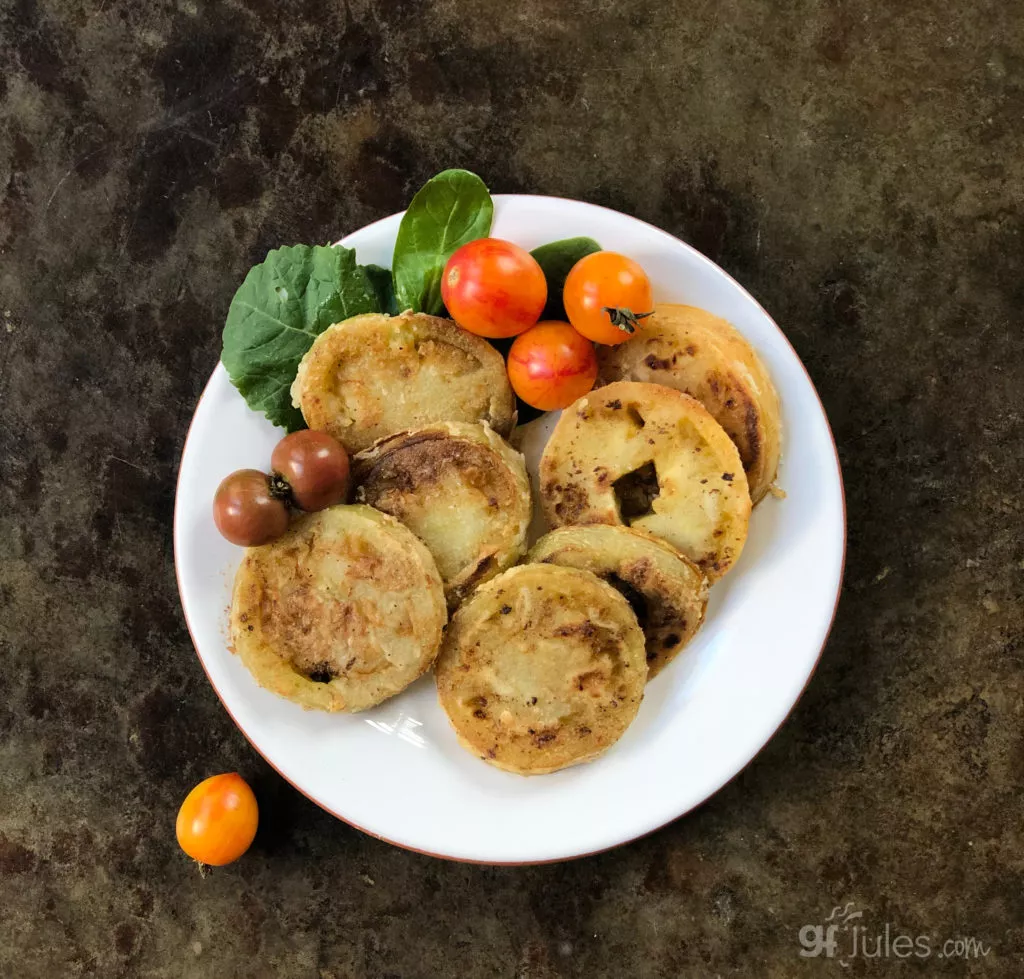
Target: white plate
[397,771]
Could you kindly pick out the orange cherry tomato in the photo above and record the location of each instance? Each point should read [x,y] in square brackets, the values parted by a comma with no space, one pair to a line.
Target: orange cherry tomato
[551,365]
[493,288]
[606,295]
[217,821]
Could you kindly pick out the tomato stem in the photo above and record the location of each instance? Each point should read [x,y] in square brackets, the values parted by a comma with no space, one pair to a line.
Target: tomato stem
[280,488]
[624,318]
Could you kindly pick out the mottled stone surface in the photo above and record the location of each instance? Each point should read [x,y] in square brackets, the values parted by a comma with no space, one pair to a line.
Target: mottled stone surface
[857,165]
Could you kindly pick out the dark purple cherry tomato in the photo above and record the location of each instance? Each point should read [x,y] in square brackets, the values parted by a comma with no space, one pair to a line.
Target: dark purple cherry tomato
[245,510]
[315,467]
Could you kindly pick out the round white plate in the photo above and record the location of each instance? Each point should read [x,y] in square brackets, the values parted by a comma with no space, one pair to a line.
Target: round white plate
[397,771]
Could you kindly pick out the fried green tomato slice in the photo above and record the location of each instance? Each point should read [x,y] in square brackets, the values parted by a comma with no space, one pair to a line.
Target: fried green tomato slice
[461,488]
[541,668]
[374,375]
[342,612]
[647,456]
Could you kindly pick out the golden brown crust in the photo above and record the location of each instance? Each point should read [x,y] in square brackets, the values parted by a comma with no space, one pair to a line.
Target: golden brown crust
[373,375]
[461,489]
[647,456]
[691,350]
[666,590]
[342,612]
[541,668]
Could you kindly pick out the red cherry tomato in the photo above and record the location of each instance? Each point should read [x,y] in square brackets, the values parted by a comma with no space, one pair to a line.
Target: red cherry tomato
[315,467]
[493,288]
[246,511]
[606,295]
[551,365]
[217,821]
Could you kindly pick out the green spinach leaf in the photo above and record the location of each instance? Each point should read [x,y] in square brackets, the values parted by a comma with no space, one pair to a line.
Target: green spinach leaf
[384,287]
[279,310]
[450,209]
[557,260]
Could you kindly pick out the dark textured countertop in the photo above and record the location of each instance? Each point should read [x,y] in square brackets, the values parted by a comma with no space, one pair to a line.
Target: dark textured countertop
[857,165]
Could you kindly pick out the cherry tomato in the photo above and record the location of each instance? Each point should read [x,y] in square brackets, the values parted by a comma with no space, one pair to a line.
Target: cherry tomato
[606,295]
[246,511]
[315,468]
[493,288]
[551,365]
[217,821]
